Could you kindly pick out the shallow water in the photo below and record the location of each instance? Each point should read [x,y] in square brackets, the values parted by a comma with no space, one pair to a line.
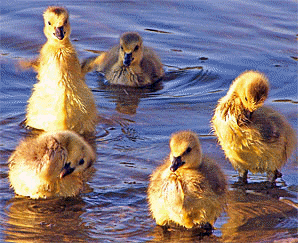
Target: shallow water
[204,46]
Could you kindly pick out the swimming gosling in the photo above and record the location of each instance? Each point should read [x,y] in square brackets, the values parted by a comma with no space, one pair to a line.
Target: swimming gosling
[61,99]
[54,164]
[253,137]
[130,63]
[188,189]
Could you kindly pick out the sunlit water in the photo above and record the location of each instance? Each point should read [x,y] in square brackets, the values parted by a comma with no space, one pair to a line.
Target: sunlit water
[204,46]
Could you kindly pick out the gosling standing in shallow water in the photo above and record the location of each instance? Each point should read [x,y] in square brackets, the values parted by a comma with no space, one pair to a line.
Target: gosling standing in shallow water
[129,64]
[253,137]
[51,165]
[189,189]
[61,99]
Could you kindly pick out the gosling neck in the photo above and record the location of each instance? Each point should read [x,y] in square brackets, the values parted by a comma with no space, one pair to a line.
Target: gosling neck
[233,109]
[59,44]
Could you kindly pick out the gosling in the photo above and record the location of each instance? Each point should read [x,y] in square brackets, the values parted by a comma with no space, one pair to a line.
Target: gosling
[54,164]
[189,189]
[253,137]
[128,64]
[61,99]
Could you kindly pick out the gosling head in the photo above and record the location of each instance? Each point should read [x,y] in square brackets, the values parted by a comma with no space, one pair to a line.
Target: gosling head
[252,88]
[80,155]
[185,150]
[131,49]
[56,20]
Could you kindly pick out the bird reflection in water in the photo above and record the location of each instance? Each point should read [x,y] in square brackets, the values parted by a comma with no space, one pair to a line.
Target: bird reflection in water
[127,99]
[52,220]
[257,216]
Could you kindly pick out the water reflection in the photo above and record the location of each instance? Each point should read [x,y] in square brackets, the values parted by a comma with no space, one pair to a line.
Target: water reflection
[255,216]
[187,83]
[52,220]
[222,39]
[265,188]
[127,99]
[161,234]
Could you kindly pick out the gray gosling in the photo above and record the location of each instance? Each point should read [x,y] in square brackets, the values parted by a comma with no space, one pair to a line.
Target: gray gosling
[129,64]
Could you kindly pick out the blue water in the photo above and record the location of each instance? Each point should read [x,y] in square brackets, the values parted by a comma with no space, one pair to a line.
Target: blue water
[204,45]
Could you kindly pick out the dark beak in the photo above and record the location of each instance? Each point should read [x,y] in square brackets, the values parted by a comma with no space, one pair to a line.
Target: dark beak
[59,33]
[127,59]
[176,163]
[66,170]
[248,114]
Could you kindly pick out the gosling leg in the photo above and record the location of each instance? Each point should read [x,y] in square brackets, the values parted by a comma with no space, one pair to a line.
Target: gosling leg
[208,227]
[276,174]
[243,177]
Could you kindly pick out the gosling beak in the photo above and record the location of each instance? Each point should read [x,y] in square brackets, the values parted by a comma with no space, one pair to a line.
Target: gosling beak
[248,114]
[66,170]
[59,32]
[127,59]
[176,163]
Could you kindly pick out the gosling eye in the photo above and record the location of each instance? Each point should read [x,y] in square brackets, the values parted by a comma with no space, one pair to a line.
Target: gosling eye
[121,48]
[49,23]
[136,48]
[246,98]
[82,161]
[188,150]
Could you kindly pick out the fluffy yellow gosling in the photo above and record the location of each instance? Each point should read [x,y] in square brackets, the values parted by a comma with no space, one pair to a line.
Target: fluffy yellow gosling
[54,164]
[61,99]
[253,137]
[188,189]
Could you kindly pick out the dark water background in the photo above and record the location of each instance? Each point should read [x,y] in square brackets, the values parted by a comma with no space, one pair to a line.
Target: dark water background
[204,46]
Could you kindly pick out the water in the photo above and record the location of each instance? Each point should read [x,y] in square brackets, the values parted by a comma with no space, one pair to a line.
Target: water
[204,46]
